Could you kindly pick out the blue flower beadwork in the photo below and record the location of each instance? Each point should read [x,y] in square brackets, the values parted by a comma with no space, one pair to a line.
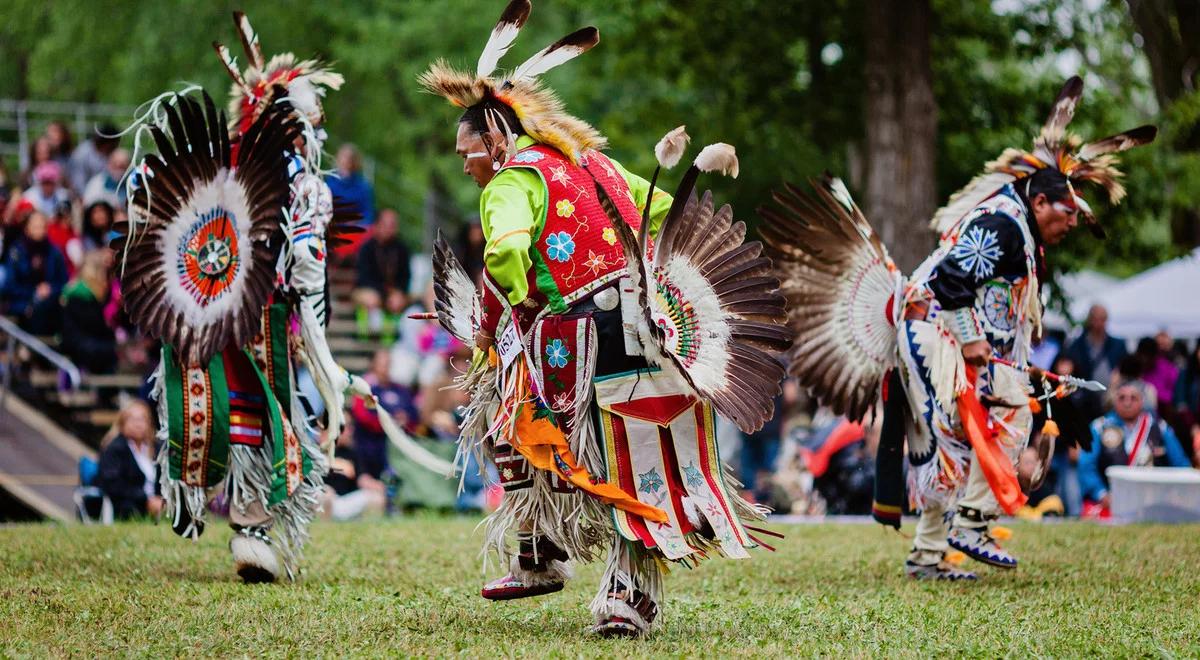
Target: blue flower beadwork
[651,481]
[560,246]
[557,354]
[528,157]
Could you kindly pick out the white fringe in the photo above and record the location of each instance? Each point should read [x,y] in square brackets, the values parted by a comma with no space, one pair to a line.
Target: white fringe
[556,571]
[574,521]
[630,568]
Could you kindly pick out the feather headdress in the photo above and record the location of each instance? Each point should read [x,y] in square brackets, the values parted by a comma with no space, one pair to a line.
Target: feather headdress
[539,109]
[305,81]
[1054,148]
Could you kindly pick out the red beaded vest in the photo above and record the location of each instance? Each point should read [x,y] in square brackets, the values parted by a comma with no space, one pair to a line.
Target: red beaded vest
[575,251]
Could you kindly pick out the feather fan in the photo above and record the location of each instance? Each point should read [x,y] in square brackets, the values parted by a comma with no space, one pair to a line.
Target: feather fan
[201,264]
[839,281]
[709,307]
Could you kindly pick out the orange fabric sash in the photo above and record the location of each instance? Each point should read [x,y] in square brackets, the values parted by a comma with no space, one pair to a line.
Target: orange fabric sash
[995,463]
[545,446]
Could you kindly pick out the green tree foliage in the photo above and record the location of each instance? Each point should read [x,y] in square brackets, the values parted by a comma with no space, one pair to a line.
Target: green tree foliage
[783,81]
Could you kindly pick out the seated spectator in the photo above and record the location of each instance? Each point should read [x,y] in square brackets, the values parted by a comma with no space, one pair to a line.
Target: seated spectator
[61,143]
[425,350]
[97,224]
[128,473]
[1063,466]
[47,193]
[1158,371]
[370,442]
[1129,435]
[39,152]
[62,235]
[348,494]
[90,157]
[841,458]
[1187,402]
[107,184]
[382,280]
[87,338]
[34,275]
[349,185]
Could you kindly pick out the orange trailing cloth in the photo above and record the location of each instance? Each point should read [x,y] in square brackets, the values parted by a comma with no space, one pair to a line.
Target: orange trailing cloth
[995,463]
[545,447]
[537,438]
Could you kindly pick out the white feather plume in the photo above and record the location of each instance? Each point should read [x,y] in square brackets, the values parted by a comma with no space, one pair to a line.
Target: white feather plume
[670,148]
[718,157]
[503,36]
[560,52]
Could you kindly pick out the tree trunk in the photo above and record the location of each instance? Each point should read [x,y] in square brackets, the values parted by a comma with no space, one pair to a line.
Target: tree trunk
[1169,30]
[901,116]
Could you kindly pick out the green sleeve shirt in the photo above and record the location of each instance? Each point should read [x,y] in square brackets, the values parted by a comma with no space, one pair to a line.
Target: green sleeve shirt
[511,210]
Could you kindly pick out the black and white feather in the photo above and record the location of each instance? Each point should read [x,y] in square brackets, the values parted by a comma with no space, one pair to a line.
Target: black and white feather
[840,285]
[198,256]
[455,299]
[503,36]
[709,305]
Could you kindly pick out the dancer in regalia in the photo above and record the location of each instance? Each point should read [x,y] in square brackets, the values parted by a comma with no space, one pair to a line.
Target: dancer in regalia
[601,358]
[948,346]
[223,259]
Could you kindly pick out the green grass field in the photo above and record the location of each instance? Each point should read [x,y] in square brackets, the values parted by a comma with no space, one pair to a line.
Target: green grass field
[409,587]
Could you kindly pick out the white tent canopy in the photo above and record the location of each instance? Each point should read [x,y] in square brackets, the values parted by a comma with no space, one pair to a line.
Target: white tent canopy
[1080,290]
[1164,297]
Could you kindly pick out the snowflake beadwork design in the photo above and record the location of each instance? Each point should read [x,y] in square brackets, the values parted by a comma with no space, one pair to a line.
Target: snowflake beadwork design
[693,476]
[557,354]
[560,246]
[977,252]
[528,157]
[609,235]
[651,481]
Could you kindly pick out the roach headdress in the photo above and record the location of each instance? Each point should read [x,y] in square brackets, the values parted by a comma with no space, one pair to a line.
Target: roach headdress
[303,81]
[538,109]
[1053,148]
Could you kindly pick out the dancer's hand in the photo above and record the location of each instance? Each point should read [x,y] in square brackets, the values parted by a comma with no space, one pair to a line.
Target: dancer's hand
[484,341]
[977,353]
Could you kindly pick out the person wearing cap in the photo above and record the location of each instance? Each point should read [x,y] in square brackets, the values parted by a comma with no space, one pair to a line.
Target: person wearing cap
[47,192]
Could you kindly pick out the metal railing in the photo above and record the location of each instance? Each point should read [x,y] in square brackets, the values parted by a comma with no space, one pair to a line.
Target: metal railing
[15,335]
[27,119]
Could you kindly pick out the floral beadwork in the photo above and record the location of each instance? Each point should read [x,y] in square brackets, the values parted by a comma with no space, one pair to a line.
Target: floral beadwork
[564,208]
[557,354]
[530,156]
[596,262]
[693,476]
[609,235]
[651,481]
[560,246]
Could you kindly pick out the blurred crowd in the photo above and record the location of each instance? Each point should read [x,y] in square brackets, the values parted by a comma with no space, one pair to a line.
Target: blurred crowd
[56,280]
[818,463]
[56,218]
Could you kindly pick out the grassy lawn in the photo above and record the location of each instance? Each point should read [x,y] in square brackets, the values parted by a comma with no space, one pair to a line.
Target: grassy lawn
[409,587]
